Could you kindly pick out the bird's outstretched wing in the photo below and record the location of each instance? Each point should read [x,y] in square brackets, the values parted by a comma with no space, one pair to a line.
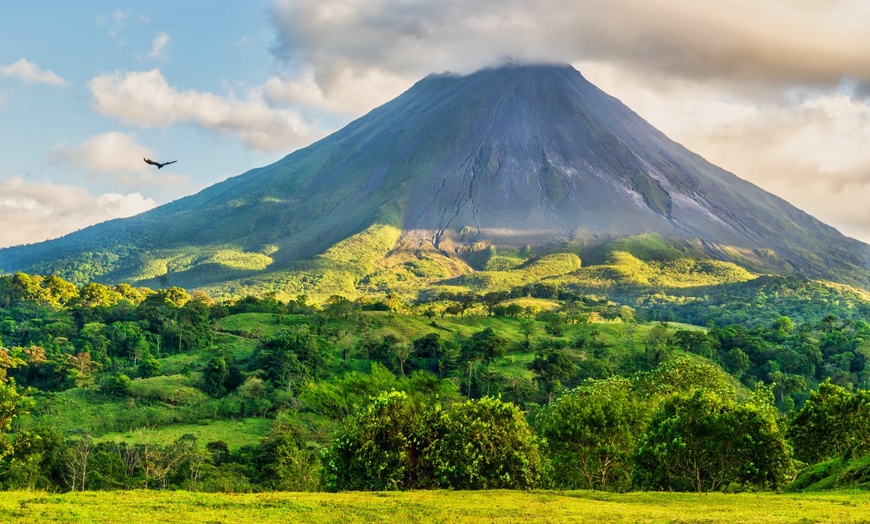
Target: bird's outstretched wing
[158,164]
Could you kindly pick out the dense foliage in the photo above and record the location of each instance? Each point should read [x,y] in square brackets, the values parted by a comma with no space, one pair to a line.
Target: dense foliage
[105,387]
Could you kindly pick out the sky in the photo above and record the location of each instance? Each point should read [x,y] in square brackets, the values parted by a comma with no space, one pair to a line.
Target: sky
[776,91]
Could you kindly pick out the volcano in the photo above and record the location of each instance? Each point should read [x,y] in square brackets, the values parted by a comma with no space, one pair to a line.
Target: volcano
[520,155]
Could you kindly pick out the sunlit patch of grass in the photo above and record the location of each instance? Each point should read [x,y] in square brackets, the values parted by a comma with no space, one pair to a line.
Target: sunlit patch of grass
[552,265]
[431,506]
[236,433]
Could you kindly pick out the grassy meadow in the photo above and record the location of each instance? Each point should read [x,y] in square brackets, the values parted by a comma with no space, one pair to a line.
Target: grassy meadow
[432,506]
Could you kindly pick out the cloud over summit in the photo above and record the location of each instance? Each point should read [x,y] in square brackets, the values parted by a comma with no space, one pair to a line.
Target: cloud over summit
[778,42]
[775,91]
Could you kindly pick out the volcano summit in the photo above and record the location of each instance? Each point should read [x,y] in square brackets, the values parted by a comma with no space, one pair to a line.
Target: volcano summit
[512,156]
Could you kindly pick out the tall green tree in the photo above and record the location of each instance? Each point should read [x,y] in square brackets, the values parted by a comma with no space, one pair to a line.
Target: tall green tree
[284,462]
[12,404]
[591,433]
[215,376]
[290,357]
[396,443]
[551,366]
[433,353]
[704,441]
[380,447]
[832,423]
[485,444]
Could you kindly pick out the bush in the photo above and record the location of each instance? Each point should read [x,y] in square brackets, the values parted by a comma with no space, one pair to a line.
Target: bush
[703,441]
[394,443]
[485,444]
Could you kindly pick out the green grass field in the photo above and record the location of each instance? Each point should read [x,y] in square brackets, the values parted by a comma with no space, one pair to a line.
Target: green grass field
[236,433]
[432,506]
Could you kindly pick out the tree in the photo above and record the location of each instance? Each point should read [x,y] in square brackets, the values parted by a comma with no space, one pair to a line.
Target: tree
[8,361]
[591,433]
[285,462]
[682,375]
[485,444]
[554,323]
[736,362]
[783,325]
[288,358]
[60,292]
[97,295]
[484,346]
[379,448]
[402,352]
[116,384]
[93,337]
[161,461]
[832,423]
[81,368]
[696,342]
[12,404]
[30,465]
[193,326]
[433,353]
[395,443]
[215,376]
[528,327]
[338,307]
[784,384]
[252,396]
[459,302]
[658,344]
[127,340]
[703,441]
[494,298]
[551,366]
[76,457]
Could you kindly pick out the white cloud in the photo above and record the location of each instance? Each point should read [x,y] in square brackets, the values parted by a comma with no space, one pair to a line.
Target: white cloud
[107,153]
[117,159]
[355,92]
[31,212]
[28,72]
[159,45]
[146,99]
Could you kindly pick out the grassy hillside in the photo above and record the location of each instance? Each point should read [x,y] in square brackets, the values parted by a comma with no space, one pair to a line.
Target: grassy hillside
[171,404]
[836,474]
[378,262]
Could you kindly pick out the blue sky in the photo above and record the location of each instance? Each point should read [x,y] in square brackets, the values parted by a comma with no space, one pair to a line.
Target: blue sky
[49,115]
[775,91]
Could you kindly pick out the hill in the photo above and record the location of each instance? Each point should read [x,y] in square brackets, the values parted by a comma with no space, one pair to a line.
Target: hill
[512,158]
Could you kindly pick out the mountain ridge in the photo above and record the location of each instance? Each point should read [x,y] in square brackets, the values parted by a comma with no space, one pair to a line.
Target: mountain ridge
[513,155]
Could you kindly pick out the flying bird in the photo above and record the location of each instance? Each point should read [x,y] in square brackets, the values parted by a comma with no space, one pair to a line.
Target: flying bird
[158,164]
